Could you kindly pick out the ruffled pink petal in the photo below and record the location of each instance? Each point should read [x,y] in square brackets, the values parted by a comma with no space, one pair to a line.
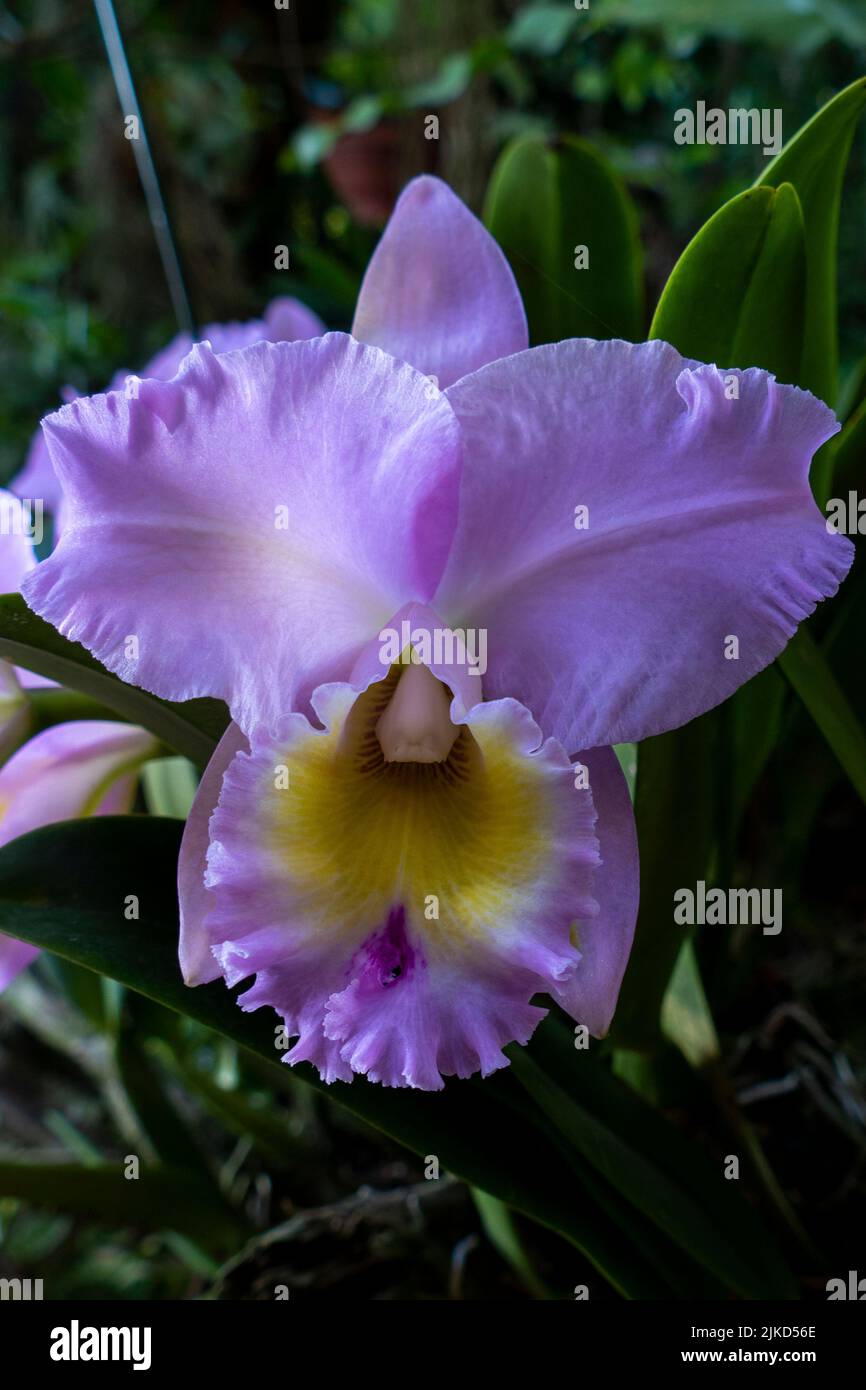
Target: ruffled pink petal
[430,1020]
[286,320]
[624,514]
[242,530]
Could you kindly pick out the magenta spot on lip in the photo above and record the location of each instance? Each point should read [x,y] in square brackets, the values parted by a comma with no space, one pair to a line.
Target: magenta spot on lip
[387,955]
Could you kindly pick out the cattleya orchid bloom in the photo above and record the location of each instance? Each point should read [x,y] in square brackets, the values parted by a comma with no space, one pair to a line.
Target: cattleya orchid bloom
[285,321]
[81,768]
[399,849]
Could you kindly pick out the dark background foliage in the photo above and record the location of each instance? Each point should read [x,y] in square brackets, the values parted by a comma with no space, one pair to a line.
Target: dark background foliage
[299,128]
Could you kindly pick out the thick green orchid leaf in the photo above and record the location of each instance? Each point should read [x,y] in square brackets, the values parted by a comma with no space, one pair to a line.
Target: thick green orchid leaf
[814,162]
[737,294]
[569,229]
[192,728]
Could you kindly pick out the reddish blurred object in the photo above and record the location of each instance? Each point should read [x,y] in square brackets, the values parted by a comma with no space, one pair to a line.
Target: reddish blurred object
[368,168]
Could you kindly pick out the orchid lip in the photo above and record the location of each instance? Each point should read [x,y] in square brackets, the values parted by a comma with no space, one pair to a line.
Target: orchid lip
[416,726]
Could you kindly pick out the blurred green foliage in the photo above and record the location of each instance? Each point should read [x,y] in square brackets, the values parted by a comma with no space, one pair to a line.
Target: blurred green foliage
[243,103]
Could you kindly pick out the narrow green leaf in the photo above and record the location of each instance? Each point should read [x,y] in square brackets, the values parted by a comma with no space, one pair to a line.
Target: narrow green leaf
[807,669]
[627,753]
[192,728]
[852,391]
[546,200]
[631,1253]
[736,296]
[170,785]
[814,162]
[631,1146]
[502,1233]
[686,1016]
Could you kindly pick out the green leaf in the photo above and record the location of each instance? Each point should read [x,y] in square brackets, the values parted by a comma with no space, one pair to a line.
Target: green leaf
[736,296]
[449,83]
[797,26]
[158,1199]
[686,1017]
[542,29]
[502,1233]
[192,728]
[808,671]
[546,198]
[63,888]
[814,162]
[170,785]
[627,754]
